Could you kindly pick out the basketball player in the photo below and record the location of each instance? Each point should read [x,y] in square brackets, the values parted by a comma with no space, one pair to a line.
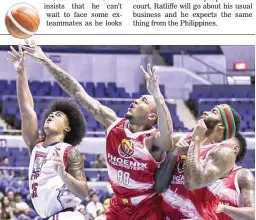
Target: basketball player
[134,147]
[234,187]
[170,177]
[57,181]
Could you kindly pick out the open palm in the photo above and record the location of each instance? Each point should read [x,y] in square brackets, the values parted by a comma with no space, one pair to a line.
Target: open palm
[17,59]
[34,51]
[151,81]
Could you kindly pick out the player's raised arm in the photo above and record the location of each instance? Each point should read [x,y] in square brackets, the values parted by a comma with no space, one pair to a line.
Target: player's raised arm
[197,173]
[246,183]
[101,113]
[165,125]
[29,121]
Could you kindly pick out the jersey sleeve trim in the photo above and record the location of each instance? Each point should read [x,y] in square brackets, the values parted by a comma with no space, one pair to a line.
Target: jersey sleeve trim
[65,157]
[113,125]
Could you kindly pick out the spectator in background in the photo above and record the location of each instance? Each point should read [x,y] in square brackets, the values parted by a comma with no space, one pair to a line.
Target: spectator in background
[6,211]
[21,206]
[8,128]
[5,163]
[81,208]
[105,202]
[99,163]
[94,206]
[86,162]
[10,196]
[89,197]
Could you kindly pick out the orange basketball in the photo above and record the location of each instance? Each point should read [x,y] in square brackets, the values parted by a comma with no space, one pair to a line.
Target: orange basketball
[22,20]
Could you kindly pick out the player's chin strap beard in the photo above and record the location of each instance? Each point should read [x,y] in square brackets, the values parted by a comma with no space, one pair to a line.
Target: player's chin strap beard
[228,121]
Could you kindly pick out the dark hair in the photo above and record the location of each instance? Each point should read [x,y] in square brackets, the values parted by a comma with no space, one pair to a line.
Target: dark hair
[17,194]
[94,194]
[243,147]
[5,157]
[75,117]
[4,214]
[237,119]
[105,198]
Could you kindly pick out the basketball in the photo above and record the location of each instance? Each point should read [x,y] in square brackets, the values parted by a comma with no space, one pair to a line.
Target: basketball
[22,20]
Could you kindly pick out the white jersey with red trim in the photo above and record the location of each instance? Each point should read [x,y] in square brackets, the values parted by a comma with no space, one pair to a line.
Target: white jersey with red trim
[48,192]
[131,167]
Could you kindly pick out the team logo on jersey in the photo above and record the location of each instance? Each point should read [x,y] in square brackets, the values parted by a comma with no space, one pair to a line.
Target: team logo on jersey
[39,161]
[126,148]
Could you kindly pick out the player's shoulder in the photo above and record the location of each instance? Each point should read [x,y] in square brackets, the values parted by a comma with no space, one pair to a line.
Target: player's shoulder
[62,145]
[219,153]
[119,122]
[245,174]
[74,155]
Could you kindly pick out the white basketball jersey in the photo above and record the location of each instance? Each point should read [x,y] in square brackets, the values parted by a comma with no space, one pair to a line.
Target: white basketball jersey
[48,192]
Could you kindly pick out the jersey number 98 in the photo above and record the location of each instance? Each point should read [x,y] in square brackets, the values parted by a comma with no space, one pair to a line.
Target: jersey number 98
[123,177]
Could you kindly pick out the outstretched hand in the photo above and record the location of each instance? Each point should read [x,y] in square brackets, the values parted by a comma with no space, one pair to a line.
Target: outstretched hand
[34,51]
[17,59]
[151,80]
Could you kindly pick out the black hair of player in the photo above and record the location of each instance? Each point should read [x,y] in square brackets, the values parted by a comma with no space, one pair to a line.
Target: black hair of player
[76,119]
[237,119]
[243,147]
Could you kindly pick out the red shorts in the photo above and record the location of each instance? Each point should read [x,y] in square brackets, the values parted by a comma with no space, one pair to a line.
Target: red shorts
[149,209]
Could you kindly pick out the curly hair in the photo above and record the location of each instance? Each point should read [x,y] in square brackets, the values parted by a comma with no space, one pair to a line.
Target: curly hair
[75,117]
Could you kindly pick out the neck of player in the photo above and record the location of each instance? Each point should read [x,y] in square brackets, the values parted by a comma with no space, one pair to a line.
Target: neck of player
[53,138]
[138,128]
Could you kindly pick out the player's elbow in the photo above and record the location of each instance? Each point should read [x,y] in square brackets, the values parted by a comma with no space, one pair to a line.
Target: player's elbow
[83,192]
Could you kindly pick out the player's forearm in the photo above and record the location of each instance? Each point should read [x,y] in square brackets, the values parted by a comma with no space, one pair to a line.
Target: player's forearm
[77,187]
[25,99]
[243,213]
[164,174]
[165,123]
[70,85]
[193,169]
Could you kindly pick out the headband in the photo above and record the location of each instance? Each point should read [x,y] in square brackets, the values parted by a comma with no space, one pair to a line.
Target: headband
[228,120]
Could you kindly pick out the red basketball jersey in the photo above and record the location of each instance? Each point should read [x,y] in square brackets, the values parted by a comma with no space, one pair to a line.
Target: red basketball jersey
[176,201]
[179,203]
[131,167]
[224,191]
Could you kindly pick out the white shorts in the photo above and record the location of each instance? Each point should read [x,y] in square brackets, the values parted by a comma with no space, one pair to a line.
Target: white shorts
[67,216]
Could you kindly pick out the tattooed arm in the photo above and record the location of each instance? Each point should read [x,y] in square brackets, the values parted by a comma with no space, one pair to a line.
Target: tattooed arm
[74,178]
[165,125]
[29,121]
[246,184]
[102,114]
[198,174]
